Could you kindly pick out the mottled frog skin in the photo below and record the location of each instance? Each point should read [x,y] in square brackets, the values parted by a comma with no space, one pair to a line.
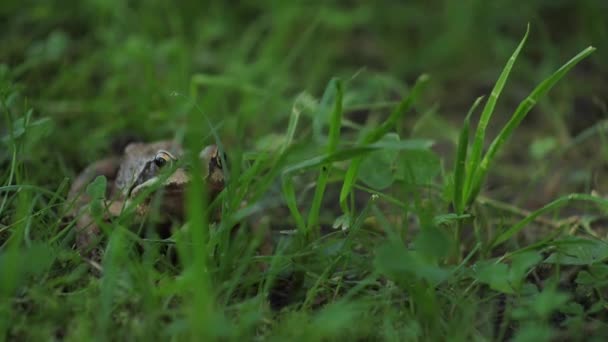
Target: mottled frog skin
[142,166]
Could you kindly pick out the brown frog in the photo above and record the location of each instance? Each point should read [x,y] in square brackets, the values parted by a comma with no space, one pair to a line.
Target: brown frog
[141,168]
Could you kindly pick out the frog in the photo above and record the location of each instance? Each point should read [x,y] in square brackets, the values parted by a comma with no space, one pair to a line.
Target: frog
[141,169]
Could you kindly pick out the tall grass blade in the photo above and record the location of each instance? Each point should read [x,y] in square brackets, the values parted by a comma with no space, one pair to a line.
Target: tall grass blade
[461,159]
[289,193]
[487,112]
[294,118]
[202,305]
[321,114]
[520,113]
[334,138]
[335,121]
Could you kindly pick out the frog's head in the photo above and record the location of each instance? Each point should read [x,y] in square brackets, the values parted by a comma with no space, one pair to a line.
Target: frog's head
[166,172]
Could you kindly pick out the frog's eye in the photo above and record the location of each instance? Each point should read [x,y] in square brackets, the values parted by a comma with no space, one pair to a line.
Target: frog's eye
[162,158]
[217,160]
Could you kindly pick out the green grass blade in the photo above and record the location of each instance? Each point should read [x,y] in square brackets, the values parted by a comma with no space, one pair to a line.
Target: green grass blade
[289,193]
[315,162]
[334,138]
[353,153]
[321,118]
[315,207]
[461,159]
[488,110]
[202,304]
[336,119]
[375,135]
[294,118]
[403,107]
[520,113]
[509,233]
[11,261]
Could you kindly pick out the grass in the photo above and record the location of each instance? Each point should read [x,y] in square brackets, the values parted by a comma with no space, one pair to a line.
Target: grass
[395,212]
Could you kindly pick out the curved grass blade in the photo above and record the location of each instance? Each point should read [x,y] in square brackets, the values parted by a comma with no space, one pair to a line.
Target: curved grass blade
[487,112]
[294,118]
[335,123]
[355,152]
[289,193]
[509,233]
[461,159]
[520,113]
[321,116]
[335,119]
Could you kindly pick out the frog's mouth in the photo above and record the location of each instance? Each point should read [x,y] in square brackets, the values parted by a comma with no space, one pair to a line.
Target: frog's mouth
[171,190]
[174,184]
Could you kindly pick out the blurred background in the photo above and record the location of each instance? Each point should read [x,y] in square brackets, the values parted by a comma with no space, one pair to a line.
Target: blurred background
[100,69]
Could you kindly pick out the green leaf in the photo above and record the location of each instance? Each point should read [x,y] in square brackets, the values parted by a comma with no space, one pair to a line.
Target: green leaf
[531,332]
[599,271]
[401,265]
[433,243]
[548,301]
[377,133]
[97,188]
[331,322]
[579,251]
[585,278]
[496,275]
[32,131]
[520,265]
[378,168]
[418,167]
